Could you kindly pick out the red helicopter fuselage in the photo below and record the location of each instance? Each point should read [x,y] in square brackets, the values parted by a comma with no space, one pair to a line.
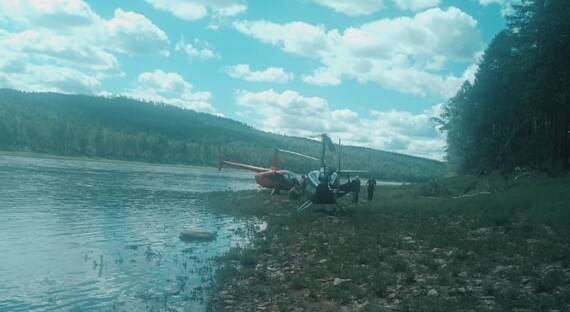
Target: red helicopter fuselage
[276,179]
[271,178]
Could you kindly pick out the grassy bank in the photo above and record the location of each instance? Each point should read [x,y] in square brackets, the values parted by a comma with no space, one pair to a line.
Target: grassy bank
[414,248]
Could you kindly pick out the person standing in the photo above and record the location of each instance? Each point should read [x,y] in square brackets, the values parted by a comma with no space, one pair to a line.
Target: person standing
[355,189]
[303,184]
[371,186]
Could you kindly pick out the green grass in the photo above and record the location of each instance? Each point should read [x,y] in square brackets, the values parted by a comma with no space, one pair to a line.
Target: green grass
[494,252]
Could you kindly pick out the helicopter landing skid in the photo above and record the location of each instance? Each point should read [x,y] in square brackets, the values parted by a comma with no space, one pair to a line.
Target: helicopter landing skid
[304,206]
[309,203]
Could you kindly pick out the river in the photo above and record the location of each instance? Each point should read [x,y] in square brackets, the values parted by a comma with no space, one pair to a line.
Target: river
[94,235]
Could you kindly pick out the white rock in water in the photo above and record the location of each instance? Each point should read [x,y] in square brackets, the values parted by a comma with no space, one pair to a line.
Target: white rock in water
[337,281]
[190,236]
[433,293]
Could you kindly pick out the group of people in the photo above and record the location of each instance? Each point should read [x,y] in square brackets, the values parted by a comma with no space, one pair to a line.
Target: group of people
[356,185]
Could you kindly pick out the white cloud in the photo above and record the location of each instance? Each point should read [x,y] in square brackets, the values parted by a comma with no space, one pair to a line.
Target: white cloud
[130,32]
[416,5]
[471,71]
[66,39]
[281,112]
[369,7]
[171,89]
[506,5]
[53,14]
[199,50]
[406,54]
[270,74]
[353,7]
[73,20]
[31,45]
[487,2]
[50,78]
[323,76]
[296,37]
[192,10]
[40,61]
[396,131]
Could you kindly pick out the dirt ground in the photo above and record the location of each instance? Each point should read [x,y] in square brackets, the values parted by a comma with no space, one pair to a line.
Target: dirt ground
[502,251]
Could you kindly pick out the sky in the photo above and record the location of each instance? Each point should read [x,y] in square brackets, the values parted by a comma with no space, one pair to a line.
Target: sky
[371,72]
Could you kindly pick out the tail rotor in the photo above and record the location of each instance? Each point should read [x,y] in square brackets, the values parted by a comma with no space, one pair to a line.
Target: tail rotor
[220,160]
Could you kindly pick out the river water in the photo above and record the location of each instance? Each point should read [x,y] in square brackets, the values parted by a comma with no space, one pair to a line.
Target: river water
[87,235]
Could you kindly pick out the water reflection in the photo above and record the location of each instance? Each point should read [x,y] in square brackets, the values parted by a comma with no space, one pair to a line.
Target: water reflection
[104,235]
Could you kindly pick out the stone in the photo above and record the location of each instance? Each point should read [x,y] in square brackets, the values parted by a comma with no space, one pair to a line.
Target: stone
[337,281]
[482,231]
[191,236]
[433,293]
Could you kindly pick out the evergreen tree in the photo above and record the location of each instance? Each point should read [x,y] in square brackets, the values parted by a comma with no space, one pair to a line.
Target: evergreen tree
[517,112]
[120,128]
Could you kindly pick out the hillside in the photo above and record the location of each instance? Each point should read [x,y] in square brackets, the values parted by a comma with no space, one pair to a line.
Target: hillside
[126,129]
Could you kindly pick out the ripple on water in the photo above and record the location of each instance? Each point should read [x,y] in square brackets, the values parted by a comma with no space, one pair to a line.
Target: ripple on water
[104,235]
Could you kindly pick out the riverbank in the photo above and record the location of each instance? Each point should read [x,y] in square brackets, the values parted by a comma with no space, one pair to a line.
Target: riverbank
[495,245]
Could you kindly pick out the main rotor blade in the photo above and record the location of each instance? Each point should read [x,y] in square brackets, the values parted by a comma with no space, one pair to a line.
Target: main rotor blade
[297,154]
[353,171]
[325,139]
[315,136]
[328,142]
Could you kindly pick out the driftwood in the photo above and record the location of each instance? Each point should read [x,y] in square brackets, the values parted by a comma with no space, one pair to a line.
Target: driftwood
[471,195]
[524,174]
[430,197]
[455,197]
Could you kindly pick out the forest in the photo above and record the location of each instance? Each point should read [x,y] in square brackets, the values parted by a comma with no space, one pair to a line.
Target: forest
[516,114]
[126,129]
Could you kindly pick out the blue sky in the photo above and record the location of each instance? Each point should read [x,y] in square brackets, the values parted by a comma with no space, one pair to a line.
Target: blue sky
[372,72]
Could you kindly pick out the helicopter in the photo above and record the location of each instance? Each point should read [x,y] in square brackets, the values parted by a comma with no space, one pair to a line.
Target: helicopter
[323,186]
[273,177]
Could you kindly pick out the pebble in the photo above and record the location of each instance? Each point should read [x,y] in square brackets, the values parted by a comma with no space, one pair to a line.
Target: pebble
[432,293]
[337,281]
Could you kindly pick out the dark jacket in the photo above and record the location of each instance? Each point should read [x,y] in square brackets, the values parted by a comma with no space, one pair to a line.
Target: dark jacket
[356,185]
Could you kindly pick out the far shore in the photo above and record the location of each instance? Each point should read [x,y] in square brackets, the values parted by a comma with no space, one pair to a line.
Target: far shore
[108,160]
[98,159]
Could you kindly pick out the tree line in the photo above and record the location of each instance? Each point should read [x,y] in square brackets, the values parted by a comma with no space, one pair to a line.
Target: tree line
[126,129]
[517,111]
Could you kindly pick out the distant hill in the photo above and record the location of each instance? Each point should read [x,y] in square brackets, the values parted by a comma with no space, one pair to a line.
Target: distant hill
[126,129]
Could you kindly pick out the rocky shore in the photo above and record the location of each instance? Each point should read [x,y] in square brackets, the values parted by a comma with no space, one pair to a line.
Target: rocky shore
[503,251]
